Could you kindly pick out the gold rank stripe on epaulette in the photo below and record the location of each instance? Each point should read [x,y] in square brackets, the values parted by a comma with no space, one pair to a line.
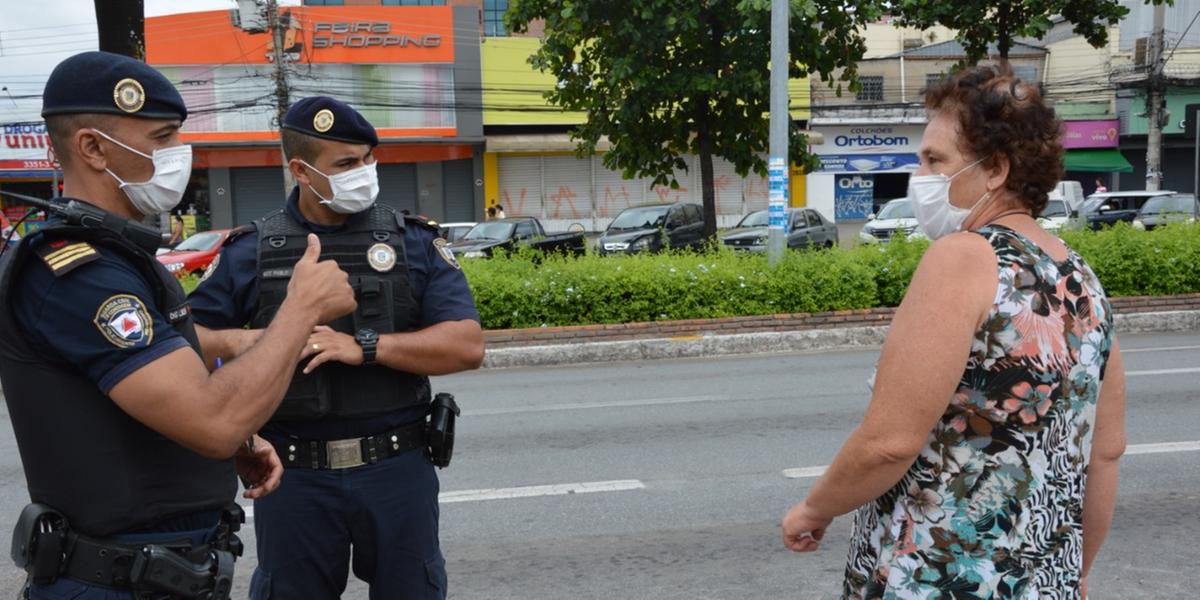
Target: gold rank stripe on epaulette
[63,260]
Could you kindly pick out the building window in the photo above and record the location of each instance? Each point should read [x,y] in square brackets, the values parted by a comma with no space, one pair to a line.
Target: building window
[324,2]
[493,18]
[414,2]
[872,88]
[1026,74]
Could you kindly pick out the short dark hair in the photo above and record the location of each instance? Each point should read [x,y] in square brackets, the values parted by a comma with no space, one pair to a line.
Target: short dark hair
[61,128]
[1001,115]
[299,145]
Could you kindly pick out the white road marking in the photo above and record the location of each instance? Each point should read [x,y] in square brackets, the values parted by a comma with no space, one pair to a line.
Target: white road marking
[1161,349]
[805,472]
[1162,372]
[1163,447]
[533,491]
[512,410]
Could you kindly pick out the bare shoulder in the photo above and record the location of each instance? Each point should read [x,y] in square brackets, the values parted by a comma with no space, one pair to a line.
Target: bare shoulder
[959,253]
[959,269]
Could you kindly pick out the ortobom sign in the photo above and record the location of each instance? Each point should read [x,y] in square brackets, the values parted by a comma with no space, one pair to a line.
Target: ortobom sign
[865,148]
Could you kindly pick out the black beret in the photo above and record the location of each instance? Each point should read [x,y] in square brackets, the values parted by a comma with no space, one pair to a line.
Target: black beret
[103,82]
[326,118]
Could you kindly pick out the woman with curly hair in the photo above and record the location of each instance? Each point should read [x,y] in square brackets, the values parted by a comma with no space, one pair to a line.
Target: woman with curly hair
[986,463]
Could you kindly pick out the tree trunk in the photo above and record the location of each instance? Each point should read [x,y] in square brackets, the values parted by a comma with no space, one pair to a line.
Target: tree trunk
[121,27]
[708,191]
[1003,35]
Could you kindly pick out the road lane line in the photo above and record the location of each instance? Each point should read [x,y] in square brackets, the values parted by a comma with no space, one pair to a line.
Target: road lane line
[1163,447]
[1160,349]
[512,410]
[533,491]
[1162,372]
[805,472]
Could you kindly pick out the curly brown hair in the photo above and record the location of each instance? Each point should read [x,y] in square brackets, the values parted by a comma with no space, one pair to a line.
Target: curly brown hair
[1000,115]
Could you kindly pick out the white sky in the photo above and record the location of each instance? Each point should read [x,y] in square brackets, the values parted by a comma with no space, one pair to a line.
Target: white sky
[35,35]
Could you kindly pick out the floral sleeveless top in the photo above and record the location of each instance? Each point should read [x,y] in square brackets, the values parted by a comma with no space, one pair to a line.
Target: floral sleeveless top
[993,507]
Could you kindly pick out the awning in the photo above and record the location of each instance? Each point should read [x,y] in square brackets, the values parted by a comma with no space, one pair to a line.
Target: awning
[1098,161]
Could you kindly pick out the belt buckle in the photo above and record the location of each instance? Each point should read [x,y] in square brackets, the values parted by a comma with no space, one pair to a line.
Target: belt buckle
[343,454]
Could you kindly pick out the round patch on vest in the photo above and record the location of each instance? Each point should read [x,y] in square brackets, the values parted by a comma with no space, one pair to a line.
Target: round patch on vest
[445,252]
[129,95]
[212,268]
[323,120]
[125,322]
[381,257]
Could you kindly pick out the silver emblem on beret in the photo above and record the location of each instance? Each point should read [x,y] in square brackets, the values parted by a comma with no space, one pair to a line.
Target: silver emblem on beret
[381,257]
[129,96]
[323,120]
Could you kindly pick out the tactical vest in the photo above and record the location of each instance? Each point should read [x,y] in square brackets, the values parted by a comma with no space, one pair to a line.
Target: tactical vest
[385,304]
[82,454]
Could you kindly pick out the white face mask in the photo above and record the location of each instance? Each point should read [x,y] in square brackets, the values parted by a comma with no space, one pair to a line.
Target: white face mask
[353,191]
[929,196]
[164,189]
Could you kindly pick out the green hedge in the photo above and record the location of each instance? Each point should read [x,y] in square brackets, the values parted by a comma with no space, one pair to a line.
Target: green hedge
[525,290]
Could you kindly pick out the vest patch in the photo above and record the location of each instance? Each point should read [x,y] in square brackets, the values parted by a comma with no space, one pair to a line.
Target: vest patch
[64,258]
[447,255]
[212,268]
[381,257]
[125,322]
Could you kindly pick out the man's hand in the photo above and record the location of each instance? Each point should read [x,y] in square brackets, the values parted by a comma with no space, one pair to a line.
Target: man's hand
[321,286]
[327,344]
[259,468]
[803,529]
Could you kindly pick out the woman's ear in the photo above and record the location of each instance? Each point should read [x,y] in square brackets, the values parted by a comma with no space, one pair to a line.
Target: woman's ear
[998,173]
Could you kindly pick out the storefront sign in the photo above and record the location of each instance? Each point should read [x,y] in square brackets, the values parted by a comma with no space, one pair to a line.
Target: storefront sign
[25,148]
[865,148]
[364,34]
[853,197]
[851,163]
[1091,134]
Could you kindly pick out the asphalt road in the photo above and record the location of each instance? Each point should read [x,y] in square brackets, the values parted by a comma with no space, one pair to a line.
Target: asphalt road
[668,479]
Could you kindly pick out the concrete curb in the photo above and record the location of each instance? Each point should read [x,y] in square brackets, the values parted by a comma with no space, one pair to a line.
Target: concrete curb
[766,342]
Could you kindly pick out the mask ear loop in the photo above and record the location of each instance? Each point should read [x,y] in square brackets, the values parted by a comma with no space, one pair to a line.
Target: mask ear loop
[324,200]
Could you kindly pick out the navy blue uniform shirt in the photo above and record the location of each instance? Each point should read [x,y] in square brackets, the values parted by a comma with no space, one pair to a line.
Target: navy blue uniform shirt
[100,317]
[227,297]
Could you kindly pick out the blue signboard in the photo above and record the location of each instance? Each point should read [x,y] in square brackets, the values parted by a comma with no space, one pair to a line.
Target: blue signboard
[843,163]
[853,197]
[777,198]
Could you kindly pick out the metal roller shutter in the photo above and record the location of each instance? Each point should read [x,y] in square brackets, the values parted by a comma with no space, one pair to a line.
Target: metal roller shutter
[256,192]
[458,186]
[398,186]
[614,193]
[521,185]
[568,192]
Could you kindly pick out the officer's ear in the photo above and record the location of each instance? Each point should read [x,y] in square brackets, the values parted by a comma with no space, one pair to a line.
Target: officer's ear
[86,149]
[301,173]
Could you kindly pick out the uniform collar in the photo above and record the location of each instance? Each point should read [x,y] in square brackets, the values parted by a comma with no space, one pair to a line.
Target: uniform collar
[293,211]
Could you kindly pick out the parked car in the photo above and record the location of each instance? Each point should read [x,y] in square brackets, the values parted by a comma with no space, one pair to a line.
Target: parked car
[484,239]
[1107,208]
[452,232]
[654,227]
[895,216]
[1160,210]
[806,228]
[193,255]
[1054,217]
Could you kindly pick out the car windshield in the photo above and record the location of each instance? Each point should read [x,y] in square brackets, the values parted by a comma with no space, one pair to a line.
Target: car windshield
[200,242]
[1168,204]
[896,209]
[496,230]
[456,233]
[758,218]
[1054,208]
[639,218]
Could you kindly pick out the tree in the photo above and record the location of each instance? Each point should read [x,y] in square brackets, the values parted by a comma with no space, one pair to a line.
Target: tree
[665,78]
[121,27]
[982,22]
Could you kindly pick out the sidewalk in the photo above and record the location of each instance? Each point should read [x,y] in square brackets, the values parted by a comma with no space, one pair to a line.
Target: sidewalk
[771,333]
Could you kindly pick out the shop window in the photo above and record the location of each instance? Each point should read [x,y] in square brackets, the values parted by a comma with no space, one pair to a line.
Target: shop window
[872,88]
[493,18]
[324,2]
[414,2]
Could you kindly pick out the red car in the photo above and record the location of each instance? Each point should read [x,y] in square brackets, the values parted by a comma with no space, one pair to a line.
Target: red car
[193,255]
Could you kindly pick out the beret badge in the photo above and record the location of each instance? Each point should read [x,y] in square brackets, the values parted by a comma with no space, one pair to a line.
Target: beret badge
[323,120]
[129,96]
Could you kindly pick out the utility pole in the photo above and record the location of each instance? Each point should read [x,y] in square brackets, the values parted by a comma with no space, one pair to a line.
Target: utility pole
[276,30]
[777,165]
[1155,81]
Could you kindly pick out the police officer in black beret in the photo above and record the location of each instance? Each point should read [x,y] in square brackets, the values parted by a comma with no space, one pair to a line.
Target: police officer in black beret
[131,447]
[351,429]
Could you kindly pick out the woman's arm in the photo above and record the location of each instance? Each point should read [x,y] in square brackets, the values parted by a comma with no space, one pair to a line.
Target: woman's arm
[1108,444]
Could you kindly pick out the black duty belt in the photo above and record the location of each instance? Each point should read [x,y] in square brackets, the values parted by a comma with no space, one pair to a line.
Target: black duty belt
[353,452]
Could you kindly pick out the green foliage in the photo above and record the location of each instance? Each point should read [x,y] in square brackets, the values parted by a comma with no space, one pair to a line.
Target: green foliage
[528,290]
[663,78]
[981,22]
[189,282]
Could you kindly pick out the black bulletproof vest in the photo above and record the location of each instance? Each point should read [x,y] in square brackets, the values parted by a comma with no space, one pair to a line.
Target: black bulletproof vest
[82,454]
[385,304]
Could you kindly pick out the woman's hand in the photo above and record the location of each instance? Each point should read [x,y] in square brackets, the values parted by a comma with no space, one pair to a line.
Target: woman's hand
[803,528]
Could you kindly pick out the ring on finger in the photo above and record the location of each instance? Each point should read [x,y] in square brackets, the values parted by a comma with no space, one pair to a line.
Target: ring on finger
[317,347]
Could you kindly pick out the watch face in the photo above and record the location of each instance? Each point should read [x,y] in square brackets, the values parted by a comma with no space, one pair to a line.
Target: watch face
[366,336]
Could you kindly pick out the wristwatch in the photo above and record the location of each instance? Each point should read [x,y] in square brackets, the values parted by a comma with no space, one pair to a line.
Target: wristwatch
[368,339]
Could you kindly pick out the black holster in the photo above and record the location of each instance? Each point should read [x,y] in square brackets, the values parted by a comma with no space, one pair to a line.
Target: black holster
[440,433]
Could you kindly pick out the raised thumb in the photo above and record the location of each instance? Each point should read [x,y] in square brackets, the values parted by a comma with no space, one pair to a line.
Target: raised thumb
[313,252]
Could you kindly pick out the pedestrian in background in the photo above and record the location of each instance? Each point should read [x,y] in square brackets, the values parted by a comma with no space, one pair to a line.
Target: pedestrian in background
[986,463]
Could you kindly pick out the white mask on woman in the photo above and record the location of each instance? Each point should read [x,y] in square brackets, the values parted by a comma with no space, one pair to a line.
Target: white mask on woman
[929,196]
[164,189]
[353,191]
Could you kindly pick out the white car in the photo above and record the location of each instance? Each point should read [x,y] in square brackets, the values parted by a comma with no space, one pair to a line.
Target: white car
[1055,216]
[895,218]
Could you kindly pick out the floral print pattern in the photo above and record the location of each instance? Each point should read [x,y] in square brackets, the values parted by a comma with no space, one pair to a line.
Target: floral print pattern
[993,506]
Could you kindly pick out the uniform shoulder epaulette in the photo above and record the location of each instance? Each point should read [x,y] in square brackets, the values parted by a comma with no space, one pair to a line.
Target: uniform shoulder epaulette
[422,221]
[64,256]
[238,232]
